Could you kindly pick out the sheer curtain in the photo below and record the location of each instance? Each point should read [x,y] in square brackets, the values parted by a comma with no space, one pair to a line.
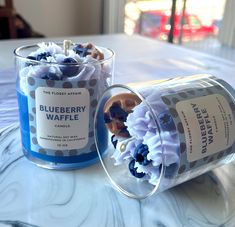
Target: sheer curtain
[227,30]
[113,16]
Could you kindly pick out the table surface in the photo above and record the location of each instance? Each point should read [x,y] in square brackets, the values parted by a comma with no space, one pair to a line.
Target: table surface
[33,196]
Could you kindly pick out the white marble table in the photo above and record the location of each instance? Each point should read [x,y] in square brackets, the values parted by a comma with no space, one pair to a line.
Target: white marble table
[32,196]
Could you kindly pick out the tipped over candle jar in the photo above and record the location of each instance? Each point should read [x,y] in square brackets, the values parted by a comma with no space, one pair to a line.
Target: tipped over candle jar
[58,88]
[163,133]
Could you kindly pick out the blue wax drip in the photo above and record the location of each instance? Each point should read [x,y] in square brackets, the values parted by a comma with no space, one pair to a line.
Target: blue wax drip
[24,120]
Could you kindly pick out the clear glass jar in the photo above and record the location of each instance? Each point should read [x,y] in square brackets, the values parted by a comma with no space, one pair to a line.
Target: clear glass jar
[57,103]
[163,133]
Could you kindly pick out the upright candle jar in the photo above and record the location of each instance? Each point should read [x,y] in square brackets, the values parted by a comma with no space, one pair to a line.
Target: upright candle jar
[58,88]
[163,133]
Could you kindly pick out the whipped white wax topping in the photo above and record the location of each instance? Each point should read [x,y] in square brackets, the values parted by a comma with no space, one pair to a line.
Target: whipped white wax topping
[81,62]
[144,131]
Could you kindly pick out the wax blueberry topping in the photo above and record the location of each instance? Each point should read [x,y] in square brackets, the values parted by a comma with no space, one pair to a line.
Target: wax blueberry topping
[167,121]
[49,76]
[117,112]
[114,141]
[43,56]
[107,119]
[79,49]
[133,170]
[140,154]
[118,108]
[31,57]
[69,61]
[115,118]
[69,70]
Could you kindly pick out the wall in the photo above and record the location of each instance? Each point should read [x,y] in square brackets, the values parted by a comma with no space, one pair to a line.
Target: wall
[62,17]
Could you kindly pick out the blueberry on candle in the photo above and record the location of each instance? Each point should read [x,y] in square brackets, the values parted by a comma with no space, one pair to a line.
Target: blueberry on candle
[32,58]
[71,69]
[43,56]
[117,112]
[166,121]
[69,61]
[114,141]
[107,118]
[118,108]
[79,49]
[140,154]
[133,170]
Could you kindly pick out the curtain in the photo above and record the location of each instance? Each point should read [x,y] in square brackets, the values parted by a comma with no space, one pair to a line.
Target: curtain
[227,30]
[113,16]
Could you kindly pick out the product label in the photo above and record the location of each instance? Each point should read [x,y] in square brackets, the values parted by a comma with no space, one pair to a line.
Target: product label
[208,125]
[204,117]
[62,117]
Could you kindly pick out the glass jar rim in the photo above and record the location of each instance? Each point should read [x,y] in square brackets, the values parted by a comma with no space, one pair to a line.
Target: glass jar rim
[116,185]
[98,62]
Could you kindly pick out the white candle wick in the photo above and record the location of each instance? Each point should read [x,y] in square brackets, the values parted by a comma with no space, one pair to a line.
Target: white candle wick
[66,46]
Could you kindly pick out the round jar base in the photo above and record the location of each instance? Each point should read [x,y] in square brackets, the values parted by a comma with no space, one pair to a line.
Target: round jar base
[59,165]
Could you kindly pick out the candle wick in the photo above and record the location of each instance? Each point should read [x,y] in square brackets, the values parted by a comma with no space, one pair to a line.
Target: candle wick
[66,46]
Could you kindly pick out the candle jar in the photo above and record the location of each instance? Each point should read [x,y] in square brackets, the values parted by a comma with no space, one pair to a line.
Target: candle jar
[163,133]
[57,100]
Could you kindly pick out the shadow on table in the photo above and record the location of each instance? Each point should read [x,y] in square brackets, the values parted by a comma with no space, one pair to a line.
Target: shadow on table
[207,200]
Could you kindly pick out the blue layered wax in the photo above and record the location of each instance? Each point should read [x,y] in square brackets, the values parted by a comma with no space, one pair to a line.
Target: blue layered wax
[24,119]
[79,161]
